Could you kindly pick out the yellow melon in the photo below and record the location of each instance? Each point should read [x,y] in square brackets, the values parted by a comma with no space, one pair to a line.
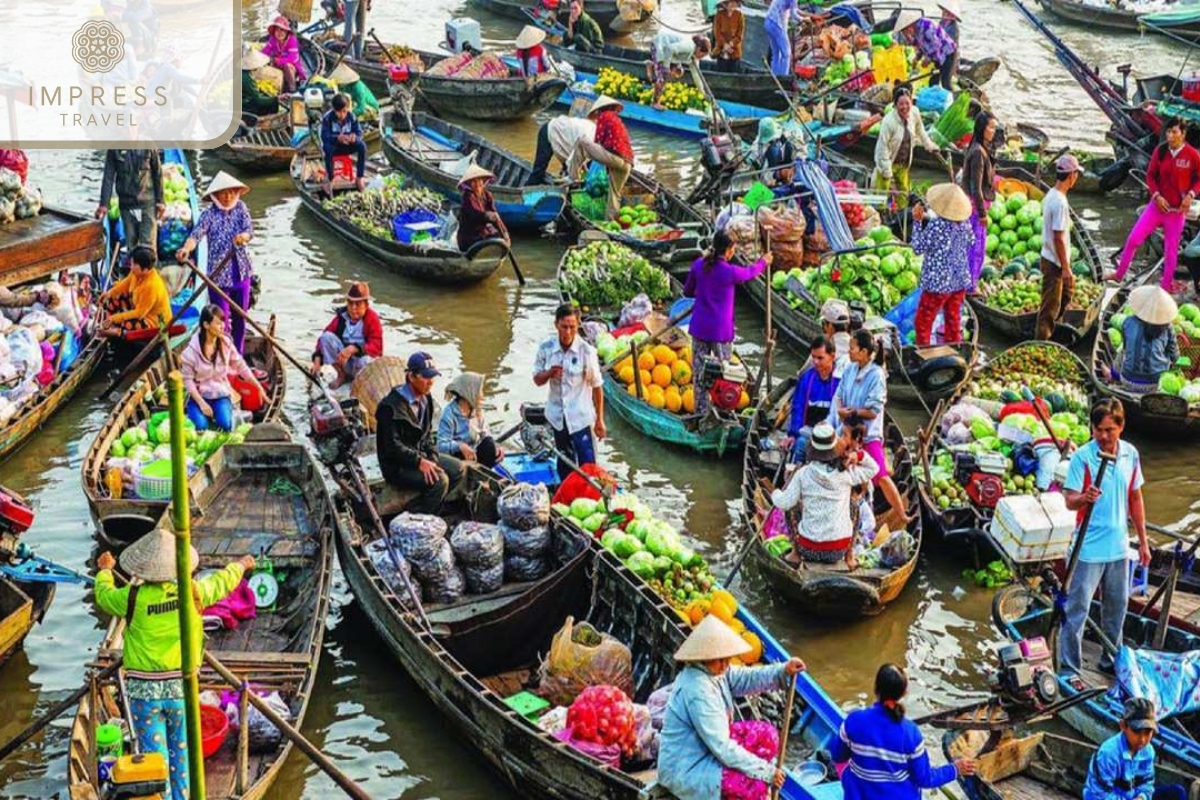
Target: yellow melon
[681,372]
[684,354]
[625,373]
[756,648]
[632,389]
[645,378]
[721,595]
[661,375]
[664,355]
[655,396]
[737,626]
[627,361]
[674,399]
[689,401]
[646,360]
[722,611]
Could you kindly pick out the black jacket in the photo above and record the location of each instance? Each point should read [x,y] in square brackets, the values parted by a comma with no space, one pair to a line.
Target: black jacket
[136,175]
[402,438]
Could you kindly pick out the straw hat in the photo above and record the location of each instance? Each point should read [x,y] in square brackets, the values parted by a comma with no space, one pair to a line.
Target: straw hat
[822,444]
[343,75]
[604,101]
[951,7]
[1153,304]
[475,171]
[530,36]
[254,59]
[224,180]
[710,640]
[949,202]
[906,17]
[152,557]
[280,22]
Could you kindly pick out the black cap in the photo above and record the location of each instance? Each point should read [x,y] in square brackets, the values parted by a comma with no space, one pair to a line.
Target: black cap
[1139,714]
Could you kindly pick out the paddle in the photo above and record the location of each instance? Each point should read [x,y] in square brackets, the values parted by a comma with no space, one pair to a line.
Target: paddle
[56,711]
[784,731]
[512,259]
[1041,415]
[755,198]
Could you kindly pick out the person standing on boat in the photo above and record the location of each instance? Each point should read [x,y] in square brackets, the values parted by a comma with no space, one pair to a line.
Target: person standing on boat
[404,439]
[228,227]
[1149,345]
[352,338]
[582,32]
[478,217]
[531,56]
[670,54]
[284,52]
[1173,179]
[254,100]
[712,281]
[136,176]
[462,430]
[900,131]
[611,148]
[1058,281]
[139,301]
[354,27]
[341,135]
[695,748]
[812,399]
[945,242]
[780,14]
[1122,768]
[1104,556]
[561,137]
[729,31]
[950,22]
[979,182]
[153,648]
[575,405]
[886,751]
[206,364]
[931,40]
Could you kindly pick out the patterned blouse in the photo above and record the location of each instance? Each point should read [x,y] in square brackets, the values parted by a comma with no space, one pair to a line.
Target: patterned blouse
[612,135]
[933,41]
[945,246]
[220,226]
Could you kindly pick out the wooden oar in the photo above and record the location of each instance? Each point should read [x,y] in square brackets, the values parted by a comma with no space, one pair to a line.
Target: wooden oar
[56,711]
[783,734]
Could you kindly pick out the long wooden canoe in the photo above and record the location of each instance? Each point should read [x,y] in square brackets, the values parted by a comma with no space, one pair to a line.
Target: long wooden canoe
[268,147]
[22,605]
[825,591]
[121,521]
[605,12]
[242,511]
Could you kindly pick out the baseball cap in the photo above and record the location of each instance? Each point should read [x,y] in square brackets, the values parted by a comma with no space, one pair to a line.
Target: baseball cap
[1068,163]
[422,364]
[1139,714]
[835,311]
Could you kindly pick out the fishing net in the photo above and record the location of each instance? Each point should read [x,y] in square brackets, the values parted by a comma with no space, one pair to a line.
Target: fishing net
[523,506]
[484,580]
[385,566]
[419,536]
[579,657]
[531,543]
[520,568]
[478,544]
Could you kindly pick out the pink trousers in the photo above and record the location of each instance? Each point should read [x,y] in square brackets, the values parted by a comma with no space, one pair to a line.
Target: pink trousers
[1151,220]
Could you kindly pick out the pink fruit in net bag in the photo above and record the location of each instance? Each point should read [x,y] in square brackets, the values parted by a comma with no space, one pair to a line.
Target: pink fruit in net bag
[759,738]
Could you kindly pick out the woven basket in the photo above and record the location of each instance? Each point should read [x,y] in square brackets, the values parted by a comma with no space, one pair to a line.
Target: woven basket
[374,382]
[296,10]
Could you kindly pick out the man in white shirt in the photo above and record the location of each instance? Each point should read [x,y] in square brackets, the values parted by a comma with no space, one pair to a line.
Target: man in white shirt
[575,405]
[670,54]
[559,137]
[1058,282]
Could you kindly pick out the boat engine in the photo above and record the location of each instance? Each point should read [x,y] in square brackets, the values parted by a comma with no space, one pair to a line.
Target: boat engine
[16,517]
[537,438]
[336,428]
[1026,674]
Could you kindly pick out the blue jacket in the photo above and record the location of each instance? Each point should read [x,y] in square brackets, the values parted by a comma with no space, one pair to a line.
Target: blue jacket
[1117,774]
[887,758]
[1147,358]
[815,394]
[331,126]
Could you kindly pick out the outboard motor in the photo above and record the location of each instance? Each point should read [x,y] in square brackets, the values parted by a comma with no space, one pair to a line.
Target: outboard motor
[537,437]
[1026,674]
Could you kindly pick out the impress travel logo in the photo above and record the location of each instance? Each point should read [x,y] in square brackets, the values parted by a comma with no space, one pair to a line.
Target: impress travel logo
[120,73]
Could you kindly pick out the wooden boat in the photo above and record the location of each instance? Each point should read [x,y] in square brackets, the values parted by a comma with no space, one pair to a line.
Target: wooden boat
[242,511]
[22,605]
[1184,20]
[659,423]
[1076,322]
[433,153]
[1020,613]
[605,12]
[826,591]
[751,85]
[124,520]
[682,245]
[1029,763]
[455,662]
[271,144]
[1033,147]
[440,263]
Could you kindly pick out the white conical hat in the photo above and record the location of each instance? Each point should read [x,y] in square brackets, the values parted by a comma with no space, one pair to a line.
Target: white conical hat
[949,202]
[952,7]
[253,59]
[529,36]
[906,17]
[604,101]
[474,171]
[712,639]
[343,75]
[224,180]
[152,557]
[1153,304]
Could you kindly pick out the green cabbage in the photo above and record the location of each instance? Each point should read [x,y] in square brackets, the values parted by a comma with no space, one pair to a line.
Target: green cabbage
[627,546]
[1170,383]
[583,507]
[642,563]
[594,522]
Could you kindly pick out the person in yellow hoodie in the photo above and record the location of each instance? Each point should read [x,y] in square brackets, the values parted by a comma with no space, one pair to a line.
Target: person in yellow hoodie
[153,647]
[139,301]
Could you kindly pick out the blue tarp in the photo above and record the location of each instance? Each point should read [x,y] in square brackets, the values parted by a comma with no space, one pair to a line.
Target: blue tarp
[829,210]
[1170,680]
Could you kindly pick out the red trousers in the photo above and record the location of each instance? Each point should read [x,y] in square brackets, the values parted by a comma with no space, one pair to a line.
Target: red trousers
[950,304]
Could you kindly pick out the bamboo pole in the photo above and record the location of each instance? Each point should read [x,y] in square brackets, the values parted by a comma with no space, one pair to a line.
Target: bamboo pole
[183,578]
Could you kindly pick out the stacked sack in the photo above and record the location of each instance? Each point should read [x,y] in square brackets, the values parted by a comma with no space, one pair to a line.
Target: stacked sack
[392,567]
[479,549]
[421,538]
[524,516]
[786,229]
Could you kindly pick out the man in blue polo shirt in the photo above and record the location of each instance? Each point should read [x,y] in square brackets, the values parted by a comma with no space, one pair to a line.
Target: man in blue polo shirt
[813,397]
[1123,767]
[1103,561]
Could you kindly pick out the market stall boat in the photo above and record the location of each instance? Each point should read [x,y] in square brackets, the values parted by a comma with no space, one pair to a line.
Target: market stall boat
[1183,18]
[605,12]
[436,153]
[264,498]
[1029,141]
[22,605]
[824,591]
[439,263]
[125,519]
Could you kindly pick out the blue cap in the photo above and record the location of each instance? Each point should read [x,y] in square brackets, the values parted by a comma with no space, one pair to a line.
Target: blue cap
[421,363]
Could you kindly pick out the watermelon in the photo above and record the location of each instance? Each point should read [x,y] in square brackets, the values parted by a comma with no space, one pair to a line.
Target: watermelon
[1015,201]
[1008,222]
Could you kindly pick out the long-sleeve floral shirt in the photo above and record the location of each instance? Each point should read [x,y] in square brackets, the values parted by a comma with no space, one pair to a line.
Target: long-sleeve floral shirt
[220,227]
[933,41]
[946,248]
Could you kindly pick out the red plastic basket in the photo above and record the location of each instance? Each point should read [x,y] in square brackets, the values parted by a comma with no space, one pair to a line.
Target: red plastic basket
[214,727]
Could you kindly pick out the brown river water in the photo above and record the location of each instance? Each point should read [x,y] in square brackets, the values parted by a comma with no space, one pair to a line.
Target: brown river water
[365,713]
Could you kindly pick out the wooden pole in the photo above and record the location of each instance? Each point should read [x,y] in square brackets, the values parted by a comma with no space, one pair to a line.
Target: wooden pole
[783,734]
[243,745]
[348,786]
[188,616]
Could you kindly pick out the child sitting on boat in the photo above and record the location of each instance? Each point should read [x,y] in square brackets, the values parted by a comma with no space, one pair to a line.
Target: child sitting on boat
[1123,767]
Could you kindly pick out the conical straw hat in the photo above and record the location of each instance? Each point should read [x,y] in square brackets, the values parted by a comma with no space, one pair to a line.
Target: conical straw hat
[529,36]
[604,101]
[474,171]
[152,557]
[254,59]
[906,17]
[949,201]
[1153,304]
[343,75]
[953,7]
[224,180]
[712,639]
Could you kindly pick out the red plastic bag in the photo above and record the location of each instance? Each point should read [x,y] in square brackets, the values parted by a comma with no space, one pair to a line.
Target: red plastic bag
[252,398]
[575,486]
[1025,407]
[17,161]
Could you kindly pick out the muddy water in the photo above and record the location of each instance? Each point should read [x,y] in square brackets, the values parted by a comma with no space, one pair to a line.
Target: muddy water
[365,714]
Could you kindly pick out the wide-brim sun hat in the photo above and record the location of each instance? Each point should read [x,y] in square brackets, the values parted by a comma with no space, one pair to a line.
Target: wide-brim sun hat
[906,17]
[280,22]
[604,101]
[712,639]
[475,171]
[254,59]
[359,290]
[530,36]
[152,557]
[343,75]
[822,444]
[949,202]
[222,181]
[1153,304]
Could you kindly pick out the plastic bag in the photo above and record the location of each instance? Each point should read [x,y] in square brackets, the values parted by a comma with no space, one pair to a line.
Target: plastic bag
[483,580]
[448,588]
[554,720]
[897,550]
[531,543]
[595,182]
[645,747]
[418,536]
[759,738]
[519,568]
[25,350]
[262,735]
[657,704]
[604,714]
[434,568]
[635,311]
[478,544]
[579,657]
[608,754]
[385,566]
[524,506]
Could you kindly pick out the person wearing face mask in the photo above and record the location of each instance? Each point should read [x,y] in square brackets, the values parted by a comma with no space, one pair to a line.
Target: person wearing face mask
[900,131]
[352,338]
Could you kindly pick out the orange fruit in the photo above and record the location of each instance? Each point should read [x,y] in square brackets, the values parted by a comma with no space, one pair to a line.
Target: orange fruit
[689,400]
[696,611]
[655,396]
[632,389]
[722,610]
[726,598]
[646,379]
[755,654]
[684,354]
[646,360]
[681,372]
[625,373]
[664,355]
[743,401]
[674,399]
[627,361]
[661,375]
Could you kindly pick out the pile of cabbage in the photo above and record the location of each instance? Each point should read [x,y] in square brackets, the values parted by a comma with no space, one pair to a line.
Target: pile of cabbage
[150,441]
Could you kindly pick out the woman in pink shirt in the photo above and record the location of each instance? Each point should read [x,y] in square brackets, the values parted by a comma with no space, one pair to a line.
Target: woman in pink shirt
[207,362]
[284,52]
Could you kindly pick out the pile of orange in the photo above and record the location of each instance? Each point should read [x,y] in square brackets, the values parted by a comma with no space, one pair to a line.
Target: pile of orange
[665,375]
[724,606]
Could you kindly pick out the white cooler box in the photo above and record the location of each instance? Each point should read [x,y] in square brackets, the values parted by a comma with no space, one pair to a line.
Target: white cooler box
[1031,528]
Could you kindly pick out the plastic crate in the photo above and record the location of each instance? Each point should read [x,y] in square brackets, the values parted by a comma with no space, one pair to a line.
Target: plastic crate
[527,704]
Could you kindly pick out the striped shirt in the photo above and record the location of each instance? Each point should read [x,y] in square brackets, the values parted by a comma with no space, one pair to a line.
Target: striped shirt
[887,758]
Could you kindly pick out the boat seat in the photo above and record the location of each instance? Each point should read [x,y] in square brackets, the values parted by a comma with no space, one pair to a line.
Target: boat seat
[645,776]
[391,500]
[474,605]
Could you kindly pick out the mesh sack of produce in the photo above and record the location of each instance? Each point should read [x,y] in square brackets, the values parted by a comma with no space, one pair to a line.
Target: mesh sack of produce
[483,580]
[385,565]
[635,311]
[604,714]
[743,232]
[521,568]
[531,543]
[645,747]
[524,506]
[787,255]
[435,566]
[657,704]
[579,657]
[450,66]
[418,536]
[477,544]
[448,588]
[759,738]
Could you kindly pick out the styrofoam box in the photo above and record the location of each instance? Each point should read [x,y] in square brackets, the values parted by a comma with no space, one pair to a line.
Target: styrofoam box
[1032,528]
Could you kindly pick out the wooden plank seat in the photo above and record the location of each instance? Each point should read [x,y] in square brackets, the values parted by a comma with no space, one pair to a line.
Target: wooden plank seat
[473,605]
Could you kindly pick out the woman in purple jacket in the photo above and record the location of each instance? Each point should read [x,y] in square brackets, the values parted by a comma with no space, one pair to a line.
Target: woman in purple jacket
[712,282]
